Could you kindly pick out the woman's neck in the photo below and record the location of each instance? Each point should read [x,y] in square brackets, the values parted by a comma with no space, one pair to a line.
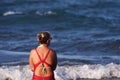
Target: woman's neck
[41,45]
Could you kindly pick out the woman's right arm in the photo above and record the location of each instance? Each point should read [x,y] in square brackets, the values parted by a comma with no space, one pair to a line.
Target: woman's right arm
[31,61]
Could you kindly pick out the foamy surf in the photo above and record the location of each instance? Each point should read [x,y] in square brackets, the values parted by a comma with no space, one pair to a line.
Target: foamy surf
[11,13]
[72,72]
[45,13]
[8,13]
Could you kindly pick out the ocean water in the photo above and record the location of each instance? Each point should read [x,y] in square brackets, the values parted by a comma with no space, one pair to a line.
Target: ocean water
[86,37]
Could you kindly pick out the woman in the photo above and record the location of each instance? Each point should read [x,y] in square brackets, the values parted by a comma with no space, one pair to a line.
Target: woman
[43,60]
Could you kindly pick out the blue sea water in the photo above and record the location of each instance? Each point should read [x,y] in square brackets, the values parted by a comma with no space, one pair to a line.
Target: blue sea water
[85,32]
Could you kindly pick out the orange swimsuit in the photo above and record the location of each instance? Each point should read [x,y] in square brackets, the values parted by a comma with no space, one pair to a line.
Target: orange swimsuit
[35,77]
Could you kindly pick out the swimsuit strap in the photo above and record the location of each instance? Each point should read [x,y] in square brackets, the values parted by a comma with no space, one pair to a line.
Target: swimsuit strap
[35,65]
[46,56]
[41,61]
[38,55]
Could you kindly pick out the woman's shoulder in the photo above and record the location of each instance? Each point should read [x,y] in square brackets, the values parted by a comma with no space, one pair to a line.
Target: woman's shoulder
[51,50]
[32,51]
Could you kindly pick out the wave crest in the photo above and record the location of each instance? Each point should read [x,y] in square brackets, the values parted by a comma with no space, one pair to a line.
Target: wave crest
[11,13]
[89,71]
[74,72]
[46,13]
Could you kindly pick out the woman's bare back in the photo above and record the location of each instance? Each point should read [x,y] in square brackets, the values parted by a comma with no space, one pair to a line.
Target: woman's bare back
[50,59]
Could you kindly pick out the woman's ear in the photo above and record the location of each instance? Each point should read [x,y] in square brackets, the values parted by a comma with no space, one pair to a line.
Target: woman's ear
[48,42]
[37,39]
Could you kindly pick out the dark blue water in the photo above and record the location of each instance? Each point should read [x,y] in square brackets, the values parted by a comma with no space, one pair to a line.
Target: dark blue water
[84,31]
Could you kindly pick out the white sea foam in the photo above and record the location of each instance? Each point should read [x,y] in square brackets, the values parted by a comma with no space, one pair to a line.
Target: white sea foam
[11,13]
[64,72]
[13,52]
[15,73]
[37,12]
[45,13]
[89,71]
